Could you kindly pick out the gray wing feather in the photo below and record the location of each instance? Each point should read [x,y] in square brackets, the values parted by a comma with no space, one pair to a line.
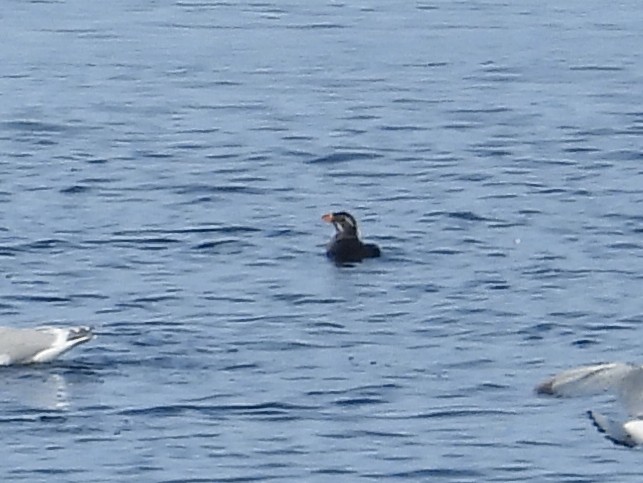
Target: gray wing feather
[612,430]
[588,380]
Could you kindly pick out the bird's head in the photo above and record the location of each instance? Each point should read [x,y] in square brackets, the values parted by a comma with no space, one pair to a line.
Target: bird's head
[344,223]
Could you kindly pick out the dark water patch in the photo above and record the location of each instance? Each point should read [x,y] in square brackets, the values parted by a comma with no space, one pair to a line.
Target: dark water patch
[51,472]
[333,471]
[230,479]
[28,415]
[433,214]
[489,110]
[497,223]
[305,299]
[209,245]
[359,401]
[153,299]
[584,342]
[89,296]
[37,298]
[47,244]
[34,127]
[475,177]
[225,156]
[223,410]
[342,157]
[46,418]
[383,434]
[537,331]
[596,132]
[489,386]
[402,128]
[364,390]
[208,130]
[496,284]
[220,189]
[606,326]
[231,229]
[365,175]
[240,479]
[362,117]
[240,367]
[552,191]
[487,152]
[414,475]
[283,346]
[236,299]
[96,161]
[152,154]
[244,107]
[284,232]
[328,325]
[97,180]
[144,243]
[8,251]
[473,363]
[457,414]
[246,179]
[75,189]
[461,125]
[549,273]
[625,246]
[316,301]
[596,68]
[316,26]
[123,307]
[623,155]
[186,145]
[466,215]
[580,149]
[629,322]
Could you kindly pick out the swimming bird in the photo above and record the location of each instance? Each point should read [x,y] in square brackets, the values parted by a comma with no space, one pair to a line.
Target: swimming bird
[626,380]
[345,246]
[41,344]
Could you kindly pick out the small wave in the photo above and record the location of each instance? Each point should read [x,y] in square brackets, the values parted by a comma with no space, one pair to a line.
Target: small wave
[36,298]
[359,401]
[342,157]
[216,243]
[221,410]
[75,189]
[598,68]
[466,215]
[34,126]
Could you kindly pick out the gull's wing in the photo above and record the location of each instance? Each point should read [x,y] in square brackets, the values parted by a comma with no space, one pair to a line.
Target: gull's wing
[612,430]
[588,380]
[630,392]
[628,434]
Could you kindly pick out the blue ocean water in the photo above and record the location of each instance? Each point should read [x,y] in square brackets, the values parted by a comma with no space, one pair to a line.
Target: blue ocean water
[163,170]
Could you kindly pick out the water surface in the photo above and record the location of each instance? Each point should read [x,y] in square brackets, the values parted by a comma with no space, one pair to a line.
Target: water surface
[163,170]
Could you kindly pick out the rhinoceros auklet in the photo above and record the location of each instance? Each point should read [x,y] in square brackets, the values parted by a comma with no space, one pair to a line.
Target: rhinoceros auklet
[345,246]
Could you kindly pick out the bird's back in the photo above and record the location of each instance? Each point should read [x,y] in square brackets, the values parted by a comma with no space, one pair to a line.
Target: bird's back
[348,250]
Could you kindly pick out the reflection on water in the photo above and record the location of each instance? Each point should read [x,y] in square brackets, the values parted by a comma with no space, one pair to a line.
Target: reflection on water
[27,387]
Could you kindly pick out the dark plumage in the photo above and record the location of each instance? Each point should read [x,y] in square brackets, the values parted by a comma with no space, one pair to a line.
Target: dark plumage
[345,246]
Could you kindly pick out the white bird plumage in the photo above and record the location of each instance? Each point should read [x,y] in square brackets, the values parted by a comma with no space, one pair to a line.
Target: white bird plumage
[41,344]
[623,379]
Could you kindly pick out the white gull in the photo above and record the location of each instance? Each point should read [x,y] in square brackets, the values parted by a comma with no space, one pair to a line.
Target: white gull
[41,344]
[625,380]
